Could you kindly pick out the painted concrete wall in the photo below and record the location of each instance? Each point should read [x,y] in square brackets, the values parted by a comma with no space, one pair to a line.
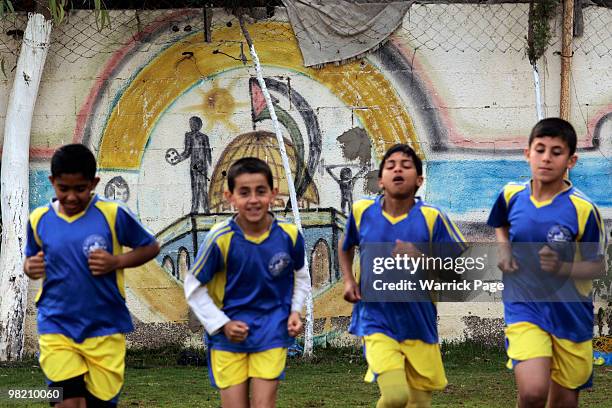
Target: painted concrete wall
[464,100]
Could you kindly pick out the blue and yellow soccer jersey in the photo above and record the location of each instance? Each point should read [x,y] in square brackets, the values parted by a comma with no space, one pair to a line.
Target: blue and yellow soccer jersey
[72,301]
[251,280]
[367,224]
[567,218]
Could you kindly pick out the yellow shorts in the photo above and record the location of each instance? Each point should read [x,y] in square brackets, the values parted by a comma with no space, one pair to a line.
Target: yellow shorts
[572,363]
[422,361]
[227,368]
[101,361]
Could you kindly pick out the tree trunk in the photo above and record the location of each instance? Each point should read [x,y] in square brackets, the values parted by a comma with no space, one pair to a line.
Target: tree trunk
[14,185]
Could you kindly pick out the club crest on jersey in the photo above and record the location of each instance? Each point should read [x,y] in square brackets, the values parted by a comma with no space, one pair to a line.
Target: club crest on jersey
[94,242]
[279,263]
[559,233]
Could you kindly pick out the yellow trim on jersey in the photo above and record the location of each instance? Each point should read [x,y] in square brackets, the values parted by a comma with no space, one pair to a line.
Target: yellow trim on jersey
[583,211]
[431,214]
[510,190]
[35,218]
[359,208]
[215,231]
[73,218]
[453,230]
[392,219]
[109,209]
[259,239]
[539,204]
[216,286]
[291,230]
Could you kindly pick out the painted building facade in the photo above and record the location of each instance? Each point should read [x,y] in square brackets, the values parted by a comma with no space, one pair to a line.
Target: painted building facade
[166,113]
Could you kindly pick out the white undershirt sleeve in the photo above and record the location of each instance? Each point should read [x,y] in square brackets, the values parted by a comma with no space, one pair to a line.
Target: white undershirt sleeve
[301,288]
[211,317]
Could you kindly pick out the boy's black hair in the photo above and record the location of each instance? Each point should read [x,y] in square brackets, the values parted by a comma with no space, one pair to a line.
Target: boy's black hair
[248,165]
[73,159]
[555,127]
[408,151]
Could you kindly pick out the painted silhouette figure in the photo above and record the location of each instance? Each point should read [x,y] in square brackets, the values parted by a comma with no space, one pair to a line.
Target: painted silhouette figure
[197,146]
[346,181]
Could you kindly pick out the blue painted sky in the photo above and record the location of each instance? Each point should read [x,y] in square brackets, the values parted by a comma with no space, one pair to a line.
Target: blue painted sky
[461,186]
[457,185]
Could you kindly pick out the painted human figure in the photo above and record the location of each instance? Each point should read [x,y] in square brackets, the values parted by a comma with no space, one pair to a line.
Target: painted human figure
[346,181]
[197,146]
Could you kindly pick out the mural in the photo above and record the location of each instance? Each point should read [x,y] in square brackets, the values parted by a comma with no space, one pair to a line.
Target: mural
[336,123]
[197,147]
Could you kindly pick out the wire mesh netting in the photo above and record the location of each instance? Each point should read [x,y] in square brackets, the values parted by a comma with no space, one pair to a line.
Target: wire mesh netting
[494,28]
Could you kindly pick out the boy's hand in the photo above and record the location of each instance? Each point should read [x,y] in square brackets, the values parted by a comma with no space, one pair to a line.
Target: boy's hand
[294,324]
[506,262]
[236,331]
[34,266]
[549,260]
[102,262]
[351,291]
[406,248]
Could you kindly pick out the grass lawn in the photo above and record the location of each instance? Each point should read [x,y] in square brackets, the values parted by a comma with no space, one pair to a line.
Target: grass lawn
[334,378]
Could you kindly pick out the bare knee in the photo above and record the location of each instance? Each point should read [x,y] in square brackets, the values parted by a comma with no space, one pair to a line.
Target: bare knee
[397,399]
[533,397]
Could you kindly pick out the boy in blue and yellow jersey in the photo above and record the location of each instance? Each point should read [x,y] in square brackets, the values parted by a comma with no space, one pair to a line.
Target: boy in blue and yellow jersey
[549,332]
[75,244]
[400,339]
[247,286]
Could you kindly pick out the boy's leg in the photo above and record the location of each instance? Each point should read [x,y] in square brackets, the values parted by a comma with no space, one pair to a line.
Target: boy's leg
[73,389]
[263,393]
[63,366]
[424,371]
[530,351]
[560,396]
[572,370]
[235,396]
[394,389]
[229,372]
[533,382]
[386,366]
[105,359]
[266,368]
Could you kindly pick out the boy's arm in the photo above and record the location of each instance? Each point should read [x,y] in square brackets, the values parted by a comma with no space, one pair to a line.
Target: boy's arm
[101,262]
[351,288]
[549,260]
[505,262]
[591,246]
[301,288]
[34,264]
[212,318]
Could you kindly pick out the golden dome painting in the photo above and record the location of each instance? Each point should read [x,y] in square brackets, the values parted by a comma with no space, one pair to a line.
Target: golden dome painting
[263,145]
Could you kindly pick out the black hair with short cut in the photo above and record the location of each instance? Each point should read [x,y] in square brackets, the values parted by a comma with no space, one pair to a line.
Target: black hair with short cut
[248,165]
[555,127]
[73,159]
[408,151]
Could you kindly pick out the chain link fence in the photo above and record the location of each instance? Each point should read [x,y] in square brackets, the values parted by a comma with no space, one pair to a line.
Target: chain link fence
[493,28]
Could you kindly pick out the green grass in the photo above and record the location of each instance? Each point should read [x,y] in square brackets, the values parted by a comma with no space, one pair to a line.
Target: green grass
[334,378]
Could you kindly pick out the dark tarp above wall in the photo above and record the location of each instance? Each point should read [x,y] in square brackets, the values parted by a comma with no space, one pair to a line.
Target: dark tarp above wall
[337,31]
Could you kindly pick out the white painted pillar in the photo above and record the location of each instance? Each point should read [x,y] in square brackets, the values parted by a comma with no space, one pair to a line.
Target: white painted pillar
[308,332]
[14,184]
